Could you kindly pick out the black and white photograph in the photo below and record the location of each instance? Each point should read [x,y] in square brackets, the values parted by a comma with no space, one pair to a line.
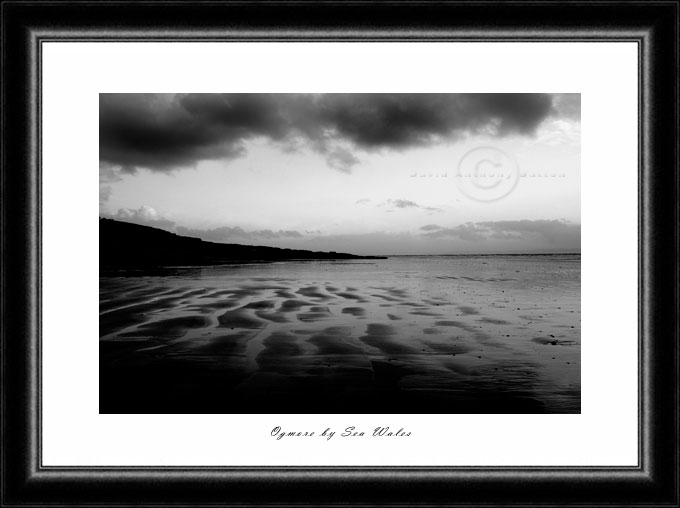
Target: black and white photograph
[348,253]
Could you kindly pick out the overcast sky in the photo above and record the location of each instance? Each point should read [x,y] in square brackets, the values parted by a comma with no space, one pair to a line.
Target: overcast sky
[361,173]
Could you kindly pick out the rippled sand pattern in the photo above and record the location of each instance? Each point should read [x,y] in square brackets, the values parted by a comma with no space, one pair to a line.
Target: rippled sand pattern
[403,335]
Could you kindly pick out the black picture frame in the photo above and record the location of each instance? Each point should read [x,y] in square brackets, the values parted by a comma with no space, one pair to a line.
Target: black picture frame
[653,25]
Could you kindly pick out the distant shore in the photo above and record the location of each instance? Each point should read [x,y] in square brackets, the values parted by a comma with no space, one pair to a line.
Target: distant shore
[124,245]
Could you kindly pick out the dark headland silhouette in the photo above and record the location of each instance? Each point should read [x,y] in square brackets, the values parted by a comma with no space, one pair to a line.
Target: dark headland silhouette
[126,245]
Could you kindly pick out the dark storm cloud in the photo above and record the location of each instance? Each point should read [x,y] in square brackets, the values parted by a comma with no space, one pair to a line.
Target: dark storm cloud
[396,121]
[552,231]
[163,132]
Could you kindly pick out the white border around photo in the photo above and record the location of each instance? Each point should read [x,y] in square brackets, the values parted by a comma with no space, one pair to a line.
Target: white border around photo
[606,74]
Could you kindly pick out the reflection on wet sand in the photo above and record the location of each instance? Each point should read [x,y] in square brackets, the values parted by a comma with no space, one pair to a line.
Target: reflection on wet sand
[404,335]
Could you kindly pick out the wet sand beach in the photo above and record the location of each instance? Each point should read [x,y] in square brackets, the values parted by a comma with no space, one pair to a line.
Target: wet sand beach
[438,334]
